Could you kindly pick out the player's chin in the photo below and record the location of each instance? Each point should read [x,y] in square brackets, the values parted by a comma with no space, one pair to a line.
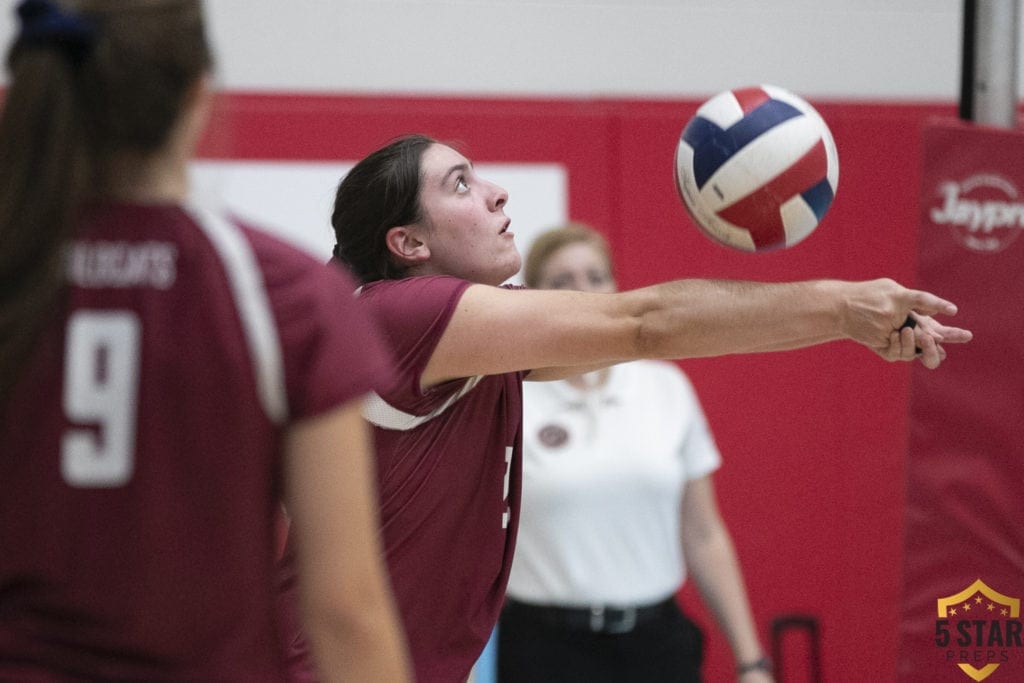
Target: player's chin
[511,265]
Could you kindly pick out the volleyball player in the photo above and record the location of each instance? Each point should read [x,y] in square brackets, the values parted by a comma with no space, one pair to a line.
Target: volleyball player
[429,240]
[165,375]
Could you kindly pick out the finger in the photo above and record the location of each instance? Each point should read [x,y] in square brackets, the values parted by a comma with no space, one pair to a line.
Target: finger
[911,324]
[932,353]
[930,304]
[908,347]
[924,322]
[952,335]
[892,352]
[942,333]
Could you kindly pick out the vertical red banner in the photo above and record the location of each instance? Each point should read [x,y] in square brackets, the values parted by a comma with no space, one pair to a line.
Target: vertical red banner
[963,574]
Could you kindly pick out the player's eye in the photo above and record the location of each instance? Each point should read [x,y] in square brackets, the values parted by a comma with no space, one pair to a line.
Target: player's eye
[461,185]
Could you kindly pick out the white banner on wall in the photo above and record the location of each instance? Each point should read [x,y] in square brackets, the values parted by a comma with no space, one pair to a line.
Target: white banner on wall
[294,199]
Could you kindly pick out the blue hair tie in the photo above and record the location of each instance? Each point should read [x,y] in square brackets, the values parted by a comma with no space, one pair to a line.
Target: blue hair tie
[44,24]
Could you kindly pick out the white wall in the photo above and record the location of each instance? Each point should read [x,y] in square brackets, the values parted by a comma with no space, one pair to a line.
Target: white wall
[594,47]
[652,48]
[294,199]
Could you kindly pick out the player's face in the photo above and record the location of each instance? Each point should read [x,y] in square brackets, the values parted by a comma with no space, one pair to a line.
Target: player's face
[580,266]
[464,222]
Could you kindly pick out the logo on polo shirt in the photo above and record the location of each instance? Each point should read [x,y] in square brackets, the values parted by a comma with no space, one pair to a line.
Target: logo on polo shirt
[553,436]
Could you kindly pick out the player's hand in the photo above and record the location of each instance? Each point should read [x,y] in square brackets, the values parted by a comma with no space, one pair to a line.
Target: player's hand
[929,337]
[875,313]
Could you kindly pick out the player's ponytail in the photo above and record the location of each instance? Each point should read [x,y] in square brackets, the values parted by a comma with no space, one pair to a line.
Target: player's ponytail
[90,85]
[45,165]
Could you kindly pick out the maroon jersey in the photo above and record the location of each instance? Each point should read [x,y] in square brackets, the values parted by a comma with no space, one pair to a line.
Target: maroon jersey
[449,463]
[141,448]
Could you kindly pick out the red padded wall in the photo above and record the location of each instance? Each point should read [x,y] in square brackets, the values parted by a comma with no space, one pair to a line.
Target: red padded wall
[965,462]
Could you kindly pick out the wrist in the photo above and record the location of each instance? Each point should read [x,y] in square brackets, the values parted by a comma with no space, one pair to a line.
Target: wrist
[762,663]
[836,296]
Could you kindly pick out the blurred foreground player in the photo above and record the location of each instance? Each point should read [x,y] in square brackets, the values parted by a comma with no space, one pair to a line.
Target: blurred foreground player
[165,375]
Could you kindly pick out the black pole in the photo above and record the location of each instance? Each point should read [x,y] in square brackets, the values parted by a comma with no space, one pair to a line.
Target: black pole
[968,45]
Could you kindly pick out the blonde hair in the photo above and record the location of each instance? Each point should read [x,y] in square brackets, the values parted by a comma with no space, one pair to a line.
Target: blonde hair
[553,239]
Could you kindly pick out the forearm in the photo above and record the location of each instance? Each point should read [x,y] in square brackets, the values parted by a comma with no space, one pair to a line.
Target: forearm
[348,612]
[357,644]
[693,318]
[719,580]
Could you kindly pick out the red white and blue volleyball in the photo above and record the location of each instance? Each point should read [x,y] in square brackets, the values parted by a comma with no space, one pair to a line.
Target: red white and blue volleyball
[757,168]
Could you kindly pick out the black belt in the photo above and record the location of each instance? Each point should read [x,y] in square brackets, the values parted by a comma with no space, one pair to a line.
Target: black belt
[597,618]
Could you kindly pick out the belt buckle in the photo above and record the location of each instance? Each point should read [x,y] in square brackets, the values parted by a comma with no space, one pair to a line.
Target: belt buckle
[599,623]
[597,619]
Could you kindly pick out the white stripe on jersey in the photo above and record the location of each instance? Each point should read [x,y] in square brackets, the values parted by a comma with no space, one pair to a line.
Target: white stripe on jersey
[253,308]
[379,412]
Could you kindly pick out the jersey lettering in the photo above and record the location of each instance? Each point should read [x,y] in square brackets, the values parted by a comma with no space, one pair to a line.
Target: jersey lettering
[101,376]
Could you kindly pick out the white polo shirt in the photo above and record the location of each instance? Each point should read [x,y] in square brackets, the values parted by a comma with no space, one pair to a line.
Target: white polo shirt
[603,477]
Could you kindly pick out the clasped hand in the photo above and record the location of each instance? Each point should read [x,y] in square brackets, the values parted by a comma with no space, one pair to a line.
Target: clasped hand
[875,314]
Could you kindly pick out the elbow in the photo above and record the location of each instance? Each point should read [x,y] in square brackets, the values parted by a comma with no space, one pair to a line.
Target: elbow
[648,338]
[640,324]
[643,340]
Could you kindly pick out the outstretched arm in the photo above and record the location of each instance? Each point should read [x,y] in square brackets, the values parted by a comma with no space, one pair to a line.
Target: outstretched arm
[495,330]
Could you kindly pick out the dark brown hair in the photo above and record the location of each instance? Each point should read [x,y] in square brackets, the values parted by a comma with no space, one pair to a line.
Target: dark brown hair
[381,192]
[72,106]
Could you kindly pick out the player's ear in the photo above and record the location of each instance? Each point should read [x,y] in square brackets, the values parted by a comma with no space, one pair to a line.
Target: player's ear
[405,245]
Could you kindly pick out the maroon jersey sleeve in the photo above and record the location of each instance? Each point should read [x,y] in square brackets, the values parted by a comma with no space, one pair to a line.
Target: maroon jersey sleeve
[413,314]
[332,348]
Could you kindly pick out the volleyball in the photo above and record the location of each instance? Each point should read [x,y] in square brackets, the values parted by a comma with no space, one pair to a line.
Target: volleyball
[757,168]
